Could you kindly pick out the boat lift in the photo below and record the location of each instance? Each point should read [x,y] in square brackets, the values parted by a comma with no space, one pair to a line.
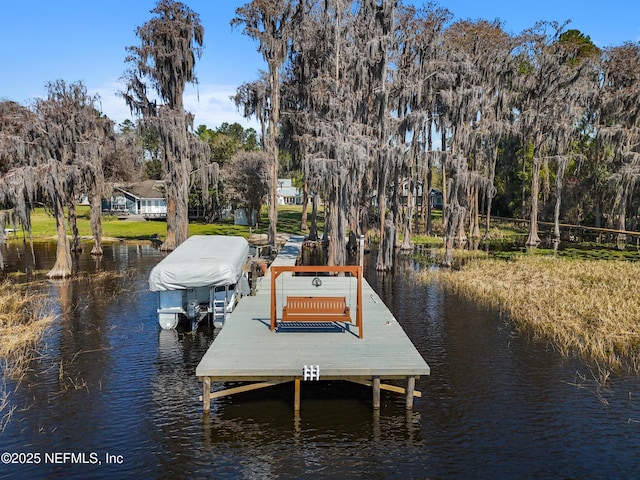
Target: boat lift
[203,277]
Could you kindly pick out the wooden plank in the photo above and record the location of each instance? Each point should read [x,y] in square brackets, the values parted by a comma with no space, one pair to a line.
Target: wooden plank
[241,389]
[390,388]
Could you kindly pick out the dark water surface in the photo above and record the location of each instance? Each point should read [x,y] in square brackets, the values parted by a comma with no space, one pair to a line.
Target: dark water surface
[109,384]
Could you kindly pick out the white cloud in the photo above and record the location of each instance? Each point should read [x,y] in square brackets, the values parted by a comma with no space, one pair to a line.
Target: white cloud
[112,105]
[209,103]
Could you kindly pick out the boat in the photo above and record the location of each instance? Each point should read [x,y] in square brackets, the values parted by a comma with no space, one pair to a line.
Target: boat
[204,277]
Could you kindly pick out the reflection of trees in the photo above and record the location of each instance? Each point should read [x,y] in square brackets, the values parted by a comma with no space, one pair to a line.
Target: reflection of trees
[82,343]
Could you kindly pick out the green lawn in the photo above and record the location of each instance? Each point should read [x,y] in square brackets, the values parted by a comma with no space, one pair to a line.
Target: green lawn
[44,225]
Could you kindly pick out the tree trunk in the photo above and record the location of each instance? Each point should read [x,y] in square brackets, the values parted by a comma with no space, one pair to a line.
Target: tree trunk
[385,254]
[427,196]
[621,201]
[3,222]
[182,201]
[460,240]
[533,238]
[305,206]
[407,231]
[336,224]
[489,194]
[621,223]
[274,118]
[408,218]
[523,203]
[444,182]
[427,184]
[475,213]
[381,264]
[331,223]
[340,237]
[96,224]
[169,243]
[455,216]
[273,203]
[487,227]
[62,266]
[598,212]
[556,216]
[73,223]
[396,209]
[313,231]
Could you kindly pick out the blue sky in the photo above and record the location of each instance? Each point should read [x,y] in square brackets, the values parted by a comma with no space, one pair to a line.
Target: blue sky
[46,40]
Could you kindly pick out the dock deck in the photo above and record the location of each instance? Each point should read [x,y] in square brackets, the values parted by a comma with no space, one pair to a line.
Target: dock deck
[246,350]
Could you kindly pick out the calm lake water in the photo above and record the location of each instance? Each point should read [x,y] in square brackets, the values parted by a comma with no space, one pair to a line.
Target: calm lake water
[109,385]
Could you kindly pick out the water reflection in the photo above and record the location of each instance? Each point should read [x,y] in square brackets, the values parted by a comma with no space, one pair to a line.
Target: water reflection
[497,404]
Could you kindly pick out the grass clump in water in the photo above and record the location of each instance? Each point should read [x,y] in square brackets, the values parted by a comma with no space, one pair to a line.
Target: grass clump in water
[23,321]
[581,306]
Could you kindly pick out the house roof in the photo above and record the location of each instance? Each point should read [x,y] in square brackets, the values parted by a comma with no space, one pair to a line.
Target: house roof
[289,192]
[153,189]
[286,188]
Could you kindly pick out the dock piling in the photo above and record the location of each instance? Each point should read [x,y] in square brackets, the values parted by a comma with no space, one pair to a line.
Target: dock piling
[206,394]
[411,385]
[376,393]
[296,395]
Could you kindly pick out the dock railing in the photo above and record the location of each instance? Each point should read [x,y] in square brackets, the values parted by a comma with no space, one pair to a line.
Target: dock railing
[355,271]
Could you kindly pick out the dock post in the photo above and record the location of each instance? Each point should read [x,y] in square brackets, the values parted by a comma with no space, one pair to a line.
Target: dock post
[376,393]
[411,385]
[206,394]
[296,395]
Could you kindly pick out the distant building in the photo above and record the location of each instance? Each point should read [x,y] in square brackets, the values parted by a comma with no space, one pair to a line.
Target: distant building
[436,195]
[287,193]
[242,218]
[436,199]
[144,198]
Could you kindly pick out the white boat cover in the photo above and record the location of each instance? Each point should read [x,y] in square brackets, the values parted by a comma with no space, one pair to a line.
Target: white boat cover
[201,261]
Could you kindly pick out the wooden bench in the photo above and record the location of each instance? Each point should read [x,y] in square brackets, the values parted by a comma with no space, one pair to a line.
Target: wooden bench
[316,309]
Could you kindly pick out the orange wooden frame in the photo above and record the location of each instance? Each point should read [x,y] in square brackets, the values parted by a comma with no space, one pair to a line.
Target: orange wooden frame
[354,270]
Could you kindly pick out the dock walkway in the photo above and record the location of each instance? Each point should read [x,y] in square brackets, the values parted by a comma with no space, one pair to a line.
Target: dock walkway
[246,350]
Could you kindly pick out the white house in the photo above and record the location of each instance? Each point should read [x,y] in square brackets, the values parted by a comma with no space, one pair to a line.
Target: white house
[287,193]
[145,198]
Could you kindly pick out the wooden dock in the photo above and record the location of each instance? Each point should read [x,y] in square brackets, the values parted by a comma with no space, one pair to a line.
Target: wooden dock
[247,350]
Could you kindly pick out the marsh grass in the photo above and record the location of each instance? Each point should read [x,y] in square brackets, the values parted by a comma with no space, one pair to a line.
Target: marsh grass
[23,322]
[584,307]
[25,315]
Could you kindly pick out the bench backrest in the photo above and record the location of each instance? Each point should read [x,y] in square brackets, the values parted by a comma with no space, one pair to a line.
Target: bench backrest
[316,304]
